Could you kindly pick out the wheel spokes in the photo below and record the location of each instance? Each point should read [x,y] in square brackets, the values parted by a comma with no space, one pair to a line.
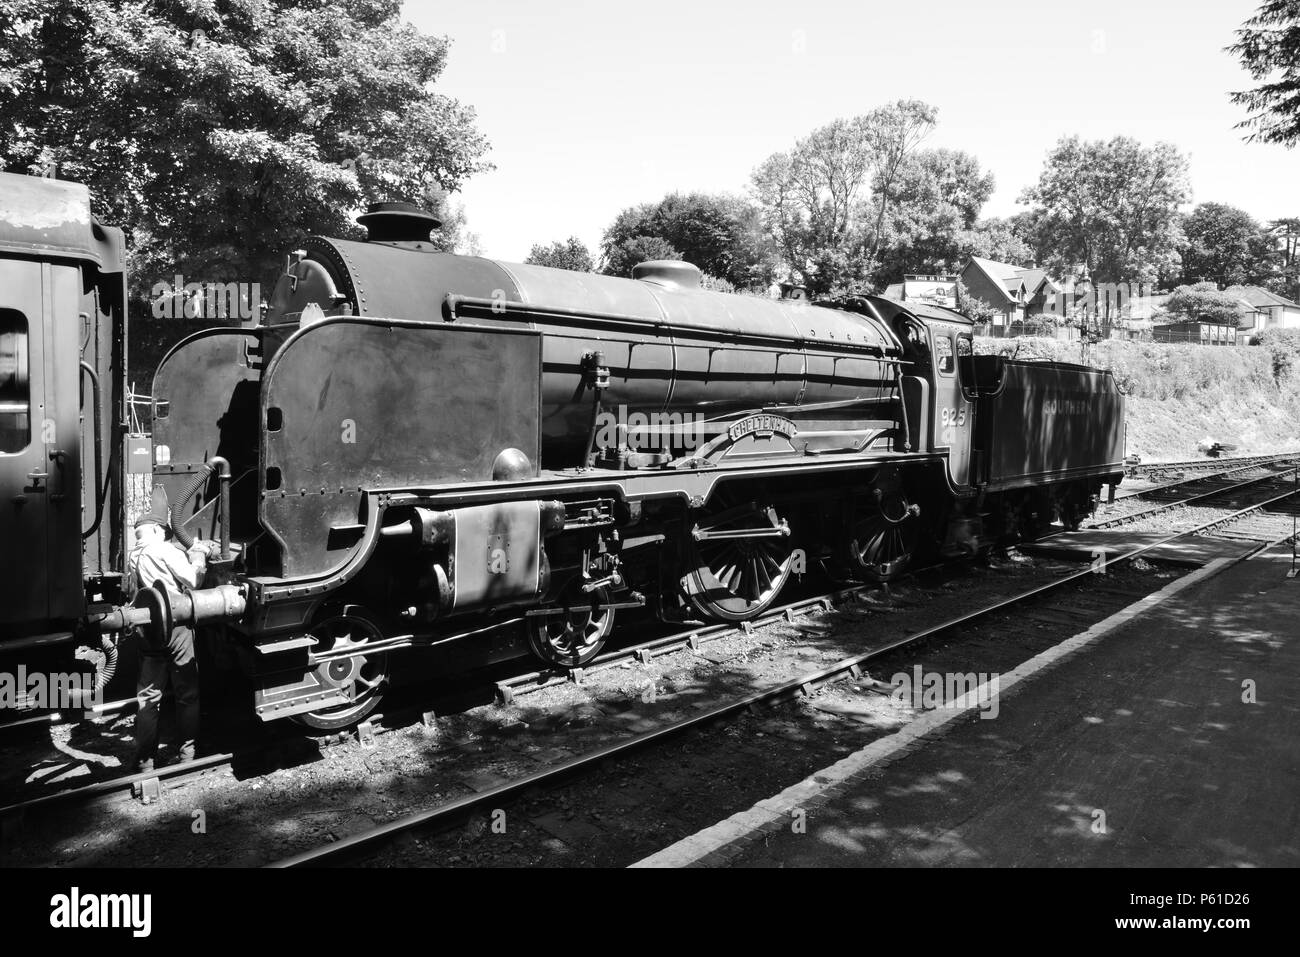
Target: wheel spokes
[736,579]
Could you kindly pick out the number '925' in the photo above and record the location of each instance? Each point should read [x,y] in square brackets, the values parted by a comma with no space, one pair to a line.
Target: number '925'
[955,417]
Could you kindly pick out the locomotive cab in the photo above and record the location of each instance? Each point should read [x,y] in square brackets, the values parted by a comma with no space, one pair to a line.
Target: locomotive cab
[939,409]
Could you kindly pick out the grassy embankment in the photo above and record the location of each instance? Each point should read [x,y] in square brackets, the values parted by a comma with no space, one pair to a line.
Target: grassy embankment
[1180,395]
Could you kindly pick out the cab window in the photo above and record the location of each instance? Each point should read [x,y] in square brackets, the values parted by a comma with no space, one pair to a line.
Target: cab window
[943,355]
[15,392]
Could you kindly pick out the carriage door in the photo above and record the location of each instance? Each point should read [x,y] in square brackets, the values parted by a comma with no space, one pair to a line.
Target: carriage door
[954,415]
[40,501]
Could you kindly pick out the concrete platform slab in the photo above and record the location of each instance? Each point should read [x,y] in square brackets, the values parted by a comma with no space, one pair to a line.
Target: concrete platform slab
[1084,544]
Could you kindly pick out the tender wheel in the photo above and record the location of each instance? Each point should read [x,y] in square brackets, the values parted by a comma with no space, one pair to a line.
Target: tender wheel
[736,579]
[361,679]
[883,541]
[573,638]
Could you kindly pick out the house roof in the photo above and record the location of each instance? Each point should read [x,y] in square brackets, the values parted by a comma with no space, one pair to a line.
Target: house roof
[1260,298]
[1011,279]
[998,275]
[1034,278]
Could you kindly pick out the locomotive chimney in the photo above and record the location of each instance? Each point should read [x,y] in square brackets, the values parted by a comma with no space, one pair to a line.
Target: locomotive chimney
[398,223]
[668,272]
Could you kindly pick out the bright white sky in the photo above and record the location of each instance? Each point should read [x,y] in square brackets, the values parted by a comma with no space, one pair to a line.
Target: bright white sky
[591,107]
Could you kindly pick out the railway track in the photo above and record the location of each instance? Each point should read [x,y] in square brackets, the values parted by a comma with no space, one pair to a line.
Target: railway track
[288,746]
[373,840]
[1206,492]
[1156,491]
[1216,464]
[1251,523]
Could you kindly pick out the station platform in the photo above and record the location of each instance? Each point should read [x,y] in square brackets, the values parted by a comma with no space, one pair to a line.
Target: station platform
[1190,550]
[1170,740]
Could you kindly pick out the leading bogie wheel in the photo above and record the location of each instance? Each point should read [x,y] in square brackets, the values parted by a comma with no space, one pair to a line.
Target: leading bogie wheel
[576,630]
[341,665]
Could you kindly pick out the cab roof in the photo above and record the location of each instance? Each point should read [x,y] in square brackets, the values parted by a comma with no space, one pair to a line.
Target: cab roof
[921,310]
[50,218]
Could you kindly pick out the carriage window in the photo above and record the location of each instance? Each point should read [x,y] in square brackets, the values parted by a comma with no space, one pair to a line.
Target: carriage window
[15,392]
[963,346]
[943,354]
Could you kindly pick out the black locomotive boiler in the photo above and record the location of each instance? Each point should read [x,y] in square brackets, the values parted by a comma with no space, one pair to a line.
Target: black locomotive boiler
[417,450]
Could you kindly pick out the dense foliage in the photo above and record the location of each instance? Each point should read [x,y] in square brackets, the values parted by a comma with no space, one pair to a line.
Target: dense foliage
[720,234]
[570,254]
[1269,47]
[221,132]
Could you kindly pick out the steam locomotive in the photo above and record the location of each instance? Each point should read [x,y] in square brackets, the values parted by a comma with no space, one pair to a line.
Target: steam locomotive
[416,452]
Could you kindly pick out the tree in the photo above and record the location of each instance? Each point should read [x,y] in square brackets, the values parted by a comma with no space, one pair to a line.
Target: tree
[1285,233]
[1269,47]
[974,308]
[893,133]
[814,197]
[720,234]
[570,254]
[933,207]
[1225,246]
[620,259]
[1112,206]
[1203,301]
[454,235]
[222,134]
[998,239]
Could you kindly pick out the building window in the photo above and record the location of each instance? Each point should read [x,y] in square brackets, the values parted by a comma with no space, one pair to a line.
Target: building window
[15,390]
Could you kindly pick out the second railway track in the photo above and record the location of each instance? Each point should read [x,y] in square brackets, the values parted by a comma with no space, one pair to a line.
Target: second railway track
[1233,489]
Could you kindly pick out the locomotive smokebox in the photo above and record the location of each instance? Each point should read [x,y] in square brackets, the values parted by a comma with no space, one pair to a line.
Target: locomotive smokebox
[398,223]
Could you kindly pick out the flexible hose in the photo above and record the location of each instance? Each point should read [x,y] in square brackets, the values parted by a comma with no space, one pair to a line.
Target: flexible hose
[109,669]
[174,513]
